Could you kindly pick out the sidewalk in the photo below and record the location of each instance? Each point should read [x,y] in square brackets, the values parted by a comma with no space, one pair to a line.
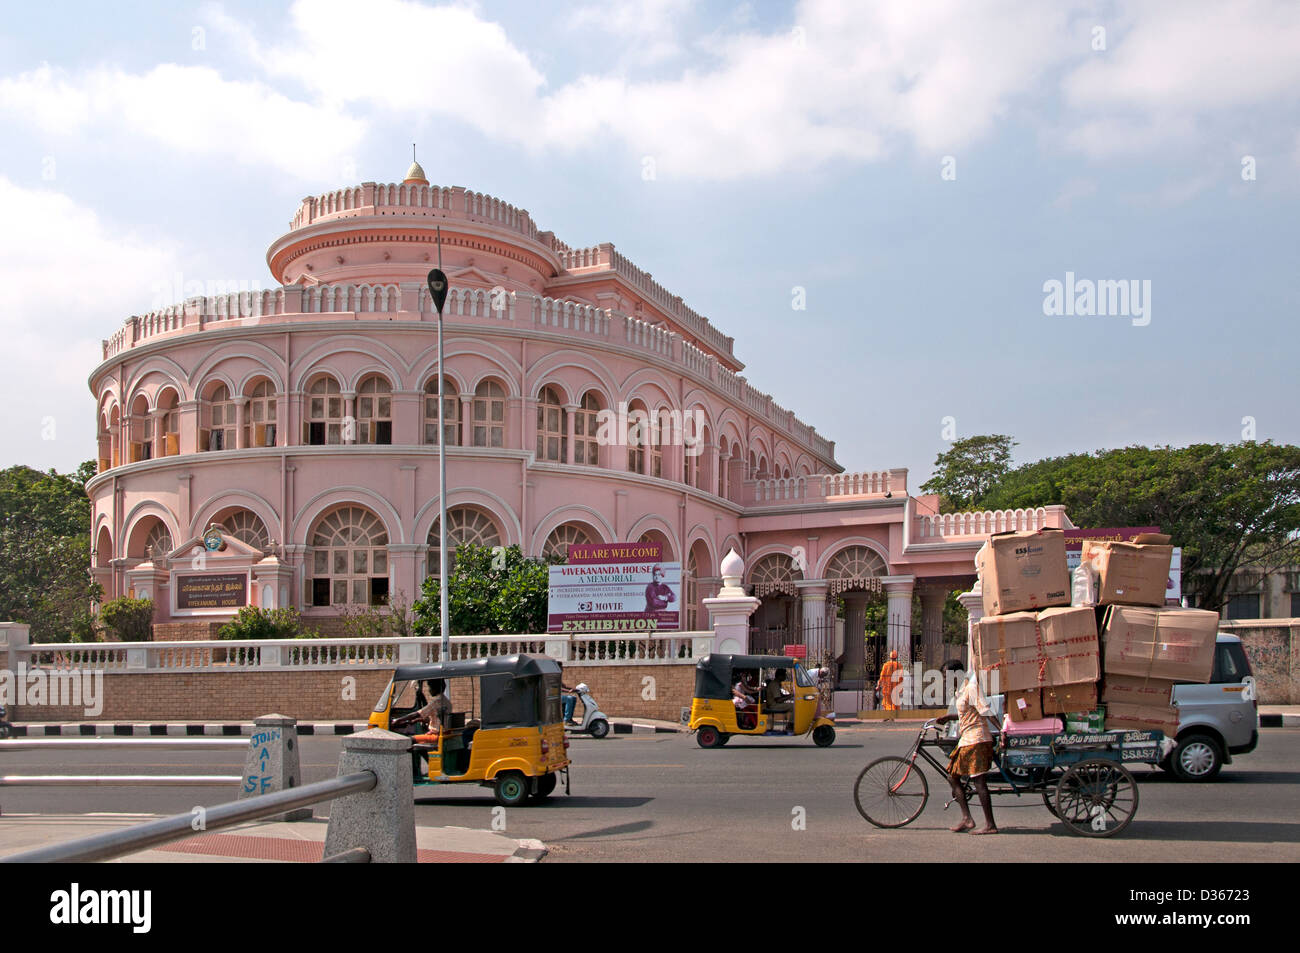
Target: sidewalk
[300,842]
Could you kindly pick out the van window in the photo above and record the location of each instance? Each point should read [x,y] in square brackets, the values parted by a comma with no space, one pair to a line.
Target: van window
[1230,664]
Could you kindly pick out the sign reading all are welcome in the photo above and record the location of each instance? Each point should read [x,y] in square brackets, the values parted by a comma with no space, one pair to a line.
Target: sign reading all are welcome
[615,587]
[216,590]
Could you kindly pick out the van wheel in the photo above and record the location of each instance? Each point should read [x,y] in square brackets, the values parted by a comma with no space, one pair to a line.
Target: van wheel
[709,737]
[599,728]
[511,789]
[1197,758]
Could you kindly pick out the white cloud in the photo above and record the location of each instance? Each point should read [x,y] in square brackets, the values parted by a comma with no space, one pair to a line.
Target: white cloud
[191,110]
[649,27]
[58,308]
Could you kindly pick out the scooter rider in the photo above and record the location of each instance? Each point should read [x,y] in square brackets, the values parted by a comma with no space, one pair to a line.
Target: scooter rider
[569,702]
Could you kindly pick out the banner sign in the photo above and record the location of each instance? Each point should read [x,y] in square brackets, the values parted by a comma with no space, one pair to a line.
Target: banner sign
[614,587]
[212,591]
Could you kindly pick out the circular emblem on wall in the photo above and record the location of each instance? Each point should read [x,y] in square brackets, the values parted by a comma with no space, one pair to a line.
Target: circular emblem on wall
[213,540]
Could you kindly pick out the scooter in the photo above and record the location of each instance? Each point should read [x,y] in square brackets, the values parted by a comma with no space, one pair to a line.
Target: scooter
[594,721]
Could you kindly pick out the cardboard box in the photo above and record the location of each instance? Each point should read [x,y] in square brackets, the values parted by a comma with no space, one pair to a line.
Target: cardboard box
[1142,717]
[1064,699]
[1021,571]
[1029,650]
[1175,644]
[1131,690]
[1025,705]
[1043,726]
[1134,573]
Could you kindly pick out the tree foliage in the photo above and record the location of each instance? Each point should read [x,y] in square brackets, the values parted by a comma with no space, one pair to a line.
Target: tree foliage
[964,474]
[1228,506]
[45,557]
[131,620]
[256,623]
[493,590]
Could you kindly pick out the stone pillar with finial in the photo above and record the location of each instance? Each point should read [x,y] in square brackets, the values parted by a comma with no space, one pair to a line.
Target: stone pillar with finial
[730,609]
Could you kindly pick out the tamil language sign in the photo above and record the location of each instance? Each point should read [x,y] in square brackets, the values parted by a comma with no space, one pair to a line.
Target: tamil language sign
[615,587]
[228,590]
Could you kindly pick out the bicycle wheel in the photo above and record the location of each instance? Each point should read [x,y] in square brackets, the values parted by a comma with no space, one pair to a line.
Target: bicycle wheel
[891,792]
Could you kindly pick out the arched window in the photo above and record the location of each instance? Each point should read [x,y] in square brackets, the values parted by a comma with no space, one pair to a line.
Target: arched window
[247,527]
[159,542]
[586,427]
[489,415]
[349,559]
[141,430]
[564,535]
[661,429]
[375,411]
[638,436]
[465,524]
[552,432]
[219,417]
[324,423]
[450,412]
[261,428]
[169,421]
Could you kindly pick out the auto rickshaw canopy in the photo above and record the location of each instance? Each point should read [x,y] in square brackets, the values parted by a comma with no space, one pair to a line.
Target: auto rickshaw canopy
[513,689]
[713,673]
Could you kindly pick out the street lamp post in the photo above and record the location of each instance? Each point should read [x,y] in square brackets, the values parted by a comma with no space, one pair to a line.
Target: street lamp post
[438,291]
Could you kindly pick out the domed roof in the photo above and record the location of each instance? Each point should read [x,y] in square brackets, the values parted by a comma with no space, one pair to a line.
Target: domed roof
[415,174]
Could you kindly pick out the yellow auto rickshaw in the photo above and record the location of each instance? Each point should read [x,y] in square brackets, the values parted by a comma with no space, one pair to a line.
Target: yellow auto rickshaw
[756,695]
[501,725]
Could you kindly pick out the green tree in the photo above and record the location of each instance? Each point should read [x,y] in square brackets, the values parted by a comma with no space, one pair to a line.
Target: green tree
[1228,506]
[492,590]
[131,620]
[966,472]
[253,622]
[45,557]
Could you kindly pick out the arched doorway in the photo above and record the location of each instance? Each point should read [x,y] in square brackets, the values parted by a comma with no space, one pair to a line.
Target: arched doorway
[854,591]
[775,622]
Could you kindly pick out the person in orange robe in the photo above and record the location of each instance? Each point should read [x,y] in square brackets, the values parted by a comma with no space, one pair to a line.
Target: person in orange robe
[891,678]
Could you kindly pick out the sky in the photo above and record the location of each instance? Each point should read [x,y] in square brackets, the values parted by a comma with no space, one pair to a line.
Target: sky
[898,209]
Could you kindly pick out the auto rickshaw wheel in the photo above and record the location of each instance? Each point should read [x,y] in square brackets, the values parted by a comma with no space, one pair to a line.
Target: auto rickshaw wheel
[709,737]
[545,787]
[823,736]
[511,789]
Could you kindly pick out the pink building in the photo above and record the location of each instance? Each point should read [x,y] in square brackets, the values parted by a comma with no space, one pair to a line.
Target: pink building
[301,420]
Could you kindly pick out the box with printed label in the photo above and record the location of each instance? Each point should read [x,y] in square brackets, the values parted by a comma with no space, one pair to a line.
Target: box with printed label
[1135,573]
[1134,690]
[1063,699]
[1025,705]
[1150,717]
[1027,650]
[1021,571]
[1175,644]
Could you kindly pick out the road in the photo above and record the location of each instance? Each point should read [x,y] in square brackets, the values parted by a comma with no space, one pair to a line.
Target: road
[662,798]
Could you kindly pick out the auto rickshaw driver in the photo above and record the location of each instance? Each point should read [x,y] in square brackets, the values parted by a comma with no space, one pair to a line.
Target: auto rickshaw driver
[436,716]
[776,699]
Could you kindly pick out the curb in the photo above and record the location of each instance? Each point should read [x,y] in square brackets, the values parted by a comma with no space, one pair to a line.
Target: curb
[641,728]
[1283,720]
[528,852]
[169,729]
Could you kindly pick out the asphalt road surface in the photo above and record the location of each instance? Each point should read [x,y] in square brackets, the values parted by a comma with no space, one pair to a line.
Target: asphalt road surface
[662,798]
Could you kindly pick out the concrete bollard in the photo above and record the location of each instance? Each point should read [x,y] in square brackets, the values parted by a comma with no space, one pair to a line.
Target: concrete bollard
[272,762]
[381,820]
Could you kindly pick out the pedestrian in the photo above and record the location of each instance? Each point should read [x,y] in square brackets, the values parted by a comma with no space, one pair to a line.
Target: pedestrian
[973,756]
[891,682]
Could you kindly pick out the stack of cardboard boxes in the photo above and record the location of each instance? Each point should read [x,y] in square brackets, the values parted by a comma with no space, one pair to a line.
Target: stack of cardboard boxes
[1108,663]
[1039,650]
[1146,647]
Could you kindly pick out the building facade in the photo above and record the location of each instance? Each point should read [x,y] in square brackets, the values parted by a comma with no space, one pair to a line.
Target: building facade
[584,402]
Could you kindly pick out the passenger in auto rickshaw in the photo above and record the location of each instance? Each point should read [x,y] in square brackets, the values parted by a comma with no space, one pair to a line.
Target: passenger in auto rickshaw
[776,699]
[744,694]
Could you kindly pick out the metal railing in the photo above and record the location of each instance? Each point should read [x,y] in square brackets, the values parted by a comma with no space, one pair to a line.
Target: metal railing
[149,744]
[143,836]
